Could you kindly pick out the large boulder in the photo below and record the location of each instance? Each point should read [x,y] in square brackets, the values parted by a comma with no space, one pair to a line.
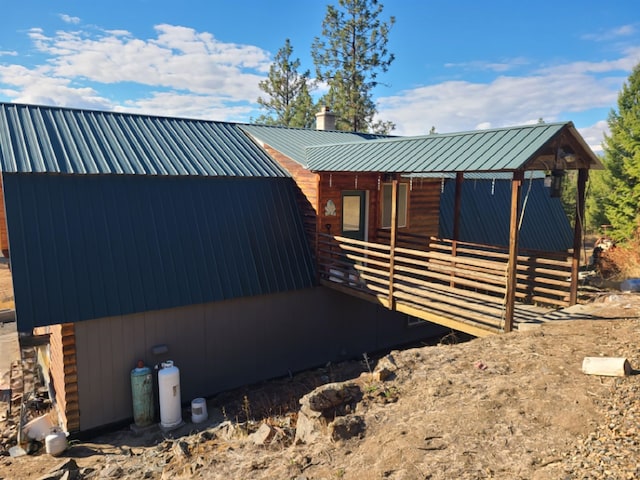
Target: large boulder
[320,408]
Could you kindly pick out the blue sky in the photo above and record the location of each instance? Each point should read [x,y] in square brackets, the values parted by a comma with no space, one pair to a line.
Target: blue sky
[460,65]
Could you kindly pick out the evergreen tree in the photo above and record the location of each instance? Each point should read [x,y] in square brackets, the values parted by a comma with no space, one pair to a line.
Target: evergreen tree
[349,57]
[288,102]
[622,161]
[594,202]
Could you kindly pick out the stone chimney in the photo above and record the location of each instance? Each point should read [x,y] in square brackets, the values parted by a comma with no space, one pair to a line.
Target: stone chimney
[325,119]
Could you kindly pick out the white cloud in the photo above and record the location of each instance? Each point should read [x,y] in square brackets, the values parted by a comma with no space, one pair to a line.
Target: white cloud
[612,34]
[8,53]
[69,19]
[35,86]
[594,135]
[553,94]
[500,67]
[177,104]
[180,58]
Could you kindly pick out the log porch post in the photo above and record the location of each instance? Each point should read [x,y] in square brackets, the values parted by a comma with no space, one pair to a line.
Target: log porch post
[392,240]
[457,205]
[512,266]
[456,211]
[583,175]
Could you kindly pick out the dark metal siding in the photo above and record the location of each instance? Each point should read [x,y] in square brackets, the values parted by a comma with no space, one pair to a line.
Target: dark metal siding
[92,246]
[485,212]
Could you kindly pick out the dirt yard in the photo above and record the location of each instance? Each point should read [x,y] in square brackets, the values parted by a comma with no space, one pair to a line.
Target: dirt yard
[514,406]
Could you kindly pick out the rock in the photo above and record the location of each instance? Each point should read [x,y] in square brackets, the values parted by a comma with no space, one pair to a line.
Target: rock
[385,368]
[330,399]
[264,435]
[307,429]
[69,464]
[322,406]
[226,431]
[181,449]
[112,471]
[343,428]
[67,470]
[207,435]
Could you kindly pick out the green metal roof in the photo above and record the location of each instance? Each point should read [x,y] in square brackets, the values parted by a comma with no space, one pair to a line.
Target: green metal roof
[61,140]
[503,149]
[293,141]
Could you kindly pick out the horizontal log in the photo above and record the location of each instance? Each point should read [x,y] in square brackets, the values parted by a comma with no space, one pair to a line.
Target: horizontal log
[459,292]
[449,310]
[550,301]
[472,328]
[497,287]
[607,366]
[525,280]
[470,270]
[364,251]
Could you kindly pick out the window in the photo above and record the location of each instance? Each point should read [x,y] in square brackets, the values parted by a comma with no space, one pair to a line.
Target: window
[387,190]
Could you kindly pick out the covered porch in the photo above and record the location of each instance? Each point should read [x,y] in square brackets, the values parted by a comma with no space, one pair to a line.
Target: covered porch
[472,287]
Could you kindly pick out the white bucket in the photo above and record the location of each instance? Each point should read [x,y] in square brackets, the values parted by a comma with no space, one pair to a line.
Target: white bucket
[55,443]
[198,410]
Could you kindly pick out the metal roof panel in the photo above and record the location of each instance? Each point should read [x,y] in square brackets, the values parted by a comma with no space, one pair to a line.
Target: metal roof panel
[503,149]
[60,140]
[293,141]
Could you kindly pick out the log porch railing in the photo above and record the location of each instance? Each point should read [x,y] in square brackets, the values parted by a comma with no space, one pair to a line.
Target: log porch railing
[468,288]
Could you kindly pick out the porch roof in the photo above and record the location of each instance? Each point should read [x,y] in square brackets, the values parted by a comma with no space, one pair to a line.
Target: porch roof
[543,146]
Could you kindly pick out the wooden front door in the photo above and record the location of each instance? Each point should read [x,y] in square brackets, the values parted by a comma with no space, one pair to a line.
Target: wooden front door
[354,207]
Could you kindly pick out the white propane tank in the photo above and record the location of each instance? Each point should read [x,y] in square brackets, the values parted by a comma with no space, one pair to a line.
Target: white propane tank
[56,442]
[169,393]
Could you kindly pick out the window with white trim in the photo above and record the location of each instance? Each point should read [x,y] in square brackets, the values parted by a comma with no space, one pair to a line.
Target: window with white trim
[387,192]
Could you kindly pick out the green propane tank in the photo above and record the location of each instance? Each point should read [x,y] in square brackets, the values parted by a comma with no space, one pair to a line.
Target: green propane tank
[142,394]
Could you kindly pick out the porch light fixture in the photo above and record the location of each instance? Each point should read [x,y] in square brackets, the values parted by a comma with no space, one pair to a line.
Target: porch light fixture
[557,176]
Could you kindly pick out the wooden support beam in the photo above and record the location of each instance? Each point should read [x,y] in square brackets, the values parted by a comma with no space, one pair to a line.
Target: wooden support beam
[512,267]
[393,239]
[583,175]
[457,205]
[318,208]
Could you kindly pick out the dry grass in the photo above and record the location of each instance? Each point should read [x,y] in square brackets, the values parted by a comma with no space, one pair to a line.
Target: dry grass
[623,261]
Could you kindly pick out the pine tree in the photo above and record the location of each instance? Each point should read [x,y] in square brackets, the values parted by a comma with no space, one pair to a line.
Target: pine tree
[349,57]
[622,161]
[288,102]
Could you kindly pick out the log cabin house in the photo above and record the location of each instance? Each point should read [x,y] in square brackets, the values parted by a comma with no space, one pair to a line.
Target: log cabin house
[372,209]
[134,237]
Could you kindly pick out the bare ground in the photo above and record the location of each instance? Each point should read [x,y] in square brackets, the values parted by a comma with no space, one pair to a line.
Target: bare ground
[513,406]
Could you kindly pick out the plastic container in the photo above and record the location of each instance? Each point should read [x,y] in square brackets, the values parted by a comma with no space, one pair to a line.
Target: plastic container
[169,392]
[199,410]
[630,285]
[56,442]
[142,395]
